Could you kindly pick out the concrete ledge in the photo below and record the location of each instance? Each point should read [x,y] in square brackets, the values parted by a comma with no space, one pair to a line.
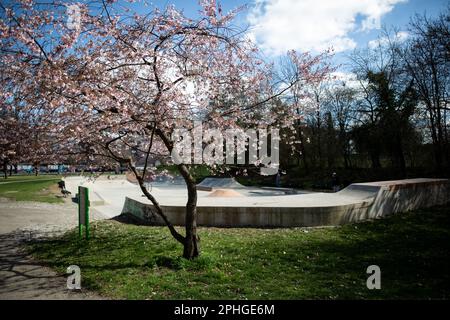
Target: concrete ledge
[250,216]
[372,200]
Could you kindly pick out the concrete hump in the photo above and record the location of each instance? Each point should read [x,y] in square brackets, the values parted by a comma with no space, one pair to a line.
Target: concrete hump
[360,191]
[225,193]
[208,184]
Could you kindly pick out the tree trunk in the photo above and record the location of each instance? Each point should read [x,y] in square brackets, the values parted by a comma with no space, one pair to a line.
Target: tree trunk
[401,158]
[302,149]
[191,240]
[375,158]
[5,169]
[156,205]
[446,144]
[302,144]
[319,140]
[434,136]
[346,151]
[191,244]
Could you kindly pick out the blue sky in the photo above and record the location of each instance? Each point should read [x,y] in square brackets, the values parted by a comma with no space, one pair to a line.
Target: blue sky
[314,25]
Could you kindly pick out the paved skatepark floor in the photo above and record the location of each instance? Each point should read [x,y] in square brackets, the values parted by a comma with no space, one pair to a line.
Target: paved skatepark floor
[225,202]
[108,196]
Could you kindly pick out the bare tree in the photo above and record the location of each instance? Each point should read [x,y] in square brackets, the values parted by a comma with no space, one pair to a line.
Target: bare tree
[387,96]
[427,62]
[342,103]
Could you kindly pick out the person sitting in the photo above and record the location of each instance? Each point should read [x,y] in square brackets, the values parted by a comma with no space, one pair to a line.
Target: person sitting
[62,186]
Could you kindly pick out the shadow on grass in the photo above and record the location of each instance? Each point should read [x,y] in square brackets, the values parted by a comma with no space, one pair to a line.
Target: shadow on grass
[412,250]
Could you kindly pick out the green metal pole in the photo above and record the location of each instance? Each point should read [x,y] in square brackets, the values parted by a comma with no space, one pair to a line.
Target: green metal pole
[80,231]
[87,213]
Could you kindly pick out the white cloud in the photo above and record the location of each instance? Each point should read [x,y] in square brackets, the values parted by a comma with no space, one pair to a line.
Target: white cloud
[399,37]
[280,25]
[339,78]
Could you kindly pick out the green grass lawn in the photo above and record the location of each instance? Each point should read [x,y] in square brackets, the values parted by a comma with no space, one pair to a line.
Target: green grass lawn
[30,188]
[138,262]
[27,177]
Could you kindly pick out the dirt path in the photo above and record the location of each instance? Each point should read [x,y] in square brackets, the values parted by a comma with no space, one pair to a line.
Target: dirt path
[20,276]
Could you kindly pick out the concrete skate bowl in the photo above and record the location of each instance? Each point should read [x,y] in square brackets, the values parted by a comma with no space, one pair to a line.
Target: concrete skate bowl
[357,202]
[212,184]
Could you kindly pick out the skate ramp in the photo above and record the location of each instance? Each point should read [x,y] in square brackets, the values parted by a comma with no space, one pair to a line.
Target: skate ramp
[208,184]
[357,202]
[406,195]
[257,207]
[224,193]
[360,191]
[211,184]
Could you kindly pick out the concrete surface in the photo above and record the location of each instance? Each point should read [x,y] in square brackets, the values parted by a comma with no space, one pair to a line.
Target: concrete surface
[20,276]
[260,207]
[113,193]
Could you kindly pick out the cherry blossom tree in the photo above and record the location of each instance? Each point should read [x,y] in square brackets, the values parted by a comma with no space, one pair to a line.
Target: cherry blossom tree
[114,84]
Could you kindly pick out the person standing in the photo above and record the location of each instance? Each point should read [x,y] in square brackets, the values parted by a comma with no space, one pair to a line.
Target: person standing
[278,179]
[335,183]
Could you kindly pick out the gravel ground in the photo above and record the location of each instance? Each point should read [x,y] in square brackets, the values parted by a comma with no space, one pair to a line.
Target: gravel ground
[20,276]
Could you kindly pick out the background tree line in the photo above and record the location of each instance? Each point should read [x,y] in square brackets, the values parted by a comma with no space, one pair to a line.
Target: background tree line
[390,121]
